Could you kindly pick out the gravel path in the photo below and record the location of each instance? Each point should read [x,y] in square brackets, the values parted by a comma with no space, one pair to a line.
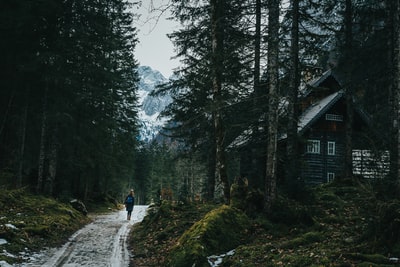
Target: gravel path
[100,243]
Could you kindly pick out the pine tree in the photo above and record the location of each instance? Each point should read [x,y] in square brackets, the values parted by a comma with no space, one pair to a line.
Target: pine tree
[210,81]
[348,18]
[394,8]
[75,81]
[217,40]
[294,83]
[273,49]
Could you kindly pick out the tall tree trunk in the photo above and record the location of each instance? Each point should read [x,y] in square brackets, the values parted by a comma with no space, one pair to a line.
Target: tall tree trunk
[23,138]
[217,65]
[5,116]
[210,185]
[394,7]
[257,172]
[51,176]
[273,48]
[42,146]
[257,53]
[348,161]
[291,149]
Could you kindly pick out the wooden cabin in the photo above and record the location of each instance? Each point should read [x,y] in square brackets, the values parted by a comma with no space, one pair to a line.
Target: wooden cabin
[321,130]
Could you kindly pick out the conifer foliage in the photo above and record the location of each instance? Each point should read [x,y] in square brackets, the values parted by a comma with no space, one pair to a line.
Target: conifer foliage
[210,84]
[68,103]
[245,63]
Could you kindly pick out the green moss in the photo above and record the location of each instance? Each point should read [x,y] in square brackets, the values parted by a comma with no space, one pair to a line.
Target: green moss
[285,211]
[371,264]
[40,221]
[219,231]
[368,258]
[307,238]
[40,230]
[161,228]
[238,193]
[329,231]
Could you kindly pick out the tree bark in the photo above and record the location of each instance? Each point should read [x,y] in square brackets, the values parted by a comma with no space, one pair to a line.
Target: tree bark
[348,161]
[5,115]
[257,173]
[273,48]
[23,138]
[257,53]
[211,174]
[52,168]
[217,65]
[42,146]
[394,10]
[291,149]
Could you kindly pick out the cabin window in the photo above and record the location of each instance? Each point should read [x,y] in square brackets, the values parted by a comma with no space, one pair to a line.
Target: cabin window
[313,146]
[331,148]
[333,117]
[330,176]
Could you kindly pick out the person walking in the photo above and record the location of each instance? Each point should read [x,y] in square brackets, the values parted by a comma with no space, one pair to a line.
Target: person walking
[129,203]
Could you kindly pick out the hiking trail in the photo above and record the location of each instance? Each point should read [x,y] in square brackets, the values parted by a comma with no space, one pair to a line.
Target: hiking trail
[100,243]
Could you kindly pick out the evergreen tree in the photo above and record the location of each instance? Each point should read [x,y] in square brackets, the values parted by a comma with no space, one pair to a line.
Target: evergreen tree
[273,68]
[196,107]
[394,11]
[348,17]
[293,91]
[73,89]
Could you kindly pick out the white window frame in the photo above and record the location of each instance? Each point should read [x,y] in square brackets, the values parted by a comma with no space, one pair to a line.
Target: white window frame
[330,176]
[331,148]
[313,146]
[333,117]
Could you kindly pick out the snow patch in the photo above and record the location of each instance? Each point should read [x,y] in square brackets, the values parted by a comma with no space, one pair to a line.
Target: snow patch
[100,243]
[4,264]
[215,261]
[11,226]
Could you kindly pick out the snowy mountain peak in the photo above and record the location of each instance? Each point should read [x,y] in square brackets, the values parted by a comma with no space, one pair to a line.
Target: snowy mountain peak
[149,78]
[151,106]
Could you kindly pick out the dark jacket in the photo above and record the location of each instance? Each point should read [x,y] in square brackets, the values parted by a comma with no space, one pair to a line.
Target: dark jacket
[129,205]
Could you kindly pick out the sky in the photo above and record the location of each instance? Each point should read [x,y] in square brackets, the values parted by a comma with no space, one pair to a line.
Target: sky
[154,48]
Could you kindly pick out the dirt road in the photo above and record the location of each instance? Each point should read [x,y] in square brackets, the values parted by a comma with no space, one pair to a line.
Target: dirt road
[100,243]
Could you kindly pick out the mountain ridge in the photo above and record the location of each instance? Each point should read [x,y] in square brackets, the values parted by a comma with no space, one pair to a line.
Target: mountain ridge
[150,106]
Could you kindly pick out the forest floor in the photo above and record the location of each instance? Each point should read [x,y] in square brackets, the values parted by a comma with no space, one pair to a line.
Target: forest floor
[336,226]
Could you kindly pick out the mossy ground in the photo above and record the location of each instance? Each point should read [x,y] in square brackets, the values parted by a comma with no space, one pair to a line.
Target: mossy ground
[337,226]
[31,222]
[220,230]
[152,240]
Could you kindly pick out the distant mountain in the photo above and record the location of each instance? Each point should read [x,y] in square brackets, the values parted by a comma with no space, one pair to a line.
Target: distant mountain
[150,107]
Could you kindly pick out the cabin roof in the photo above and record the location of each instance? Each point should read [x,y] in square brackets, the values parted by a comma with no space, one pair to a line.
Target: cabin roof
[306,119]
[315,111]
[319,82]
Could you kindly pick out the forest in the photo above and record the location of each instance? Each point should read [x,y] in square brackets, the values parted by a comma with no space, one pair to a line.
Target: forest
[68,111]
